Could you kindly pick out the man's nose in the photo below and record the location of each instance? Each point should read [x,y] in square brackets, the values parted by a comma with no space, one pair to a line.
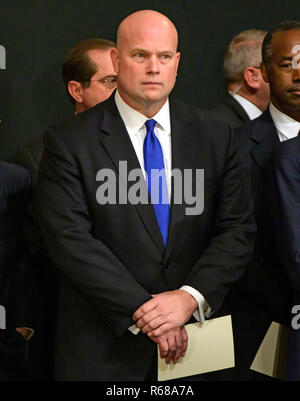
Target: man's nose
[153,65]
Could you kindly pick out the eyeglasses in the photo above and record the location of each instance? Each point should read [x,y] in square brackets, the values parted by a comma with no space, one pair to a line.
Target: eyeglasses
[109,82]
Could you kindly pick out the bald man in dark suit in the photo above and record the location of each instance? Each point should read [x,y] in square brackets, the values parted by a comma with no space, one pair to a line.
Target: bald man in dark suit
[132,275]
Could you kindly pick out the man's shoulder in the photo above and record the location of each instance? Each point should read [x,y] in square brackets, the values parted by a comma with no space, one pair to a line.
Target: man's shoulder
[230,110]
[76,129]
[203,129]
[13,178]
[195,115]
[89,122]
[288,149]
[262,124]
[222,110]
[11,170]
[84,119]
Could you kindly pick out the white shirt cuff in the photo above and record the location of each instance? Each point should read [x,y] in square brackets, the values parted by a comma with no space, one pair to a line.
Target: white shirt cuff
[31,334]
[204,310]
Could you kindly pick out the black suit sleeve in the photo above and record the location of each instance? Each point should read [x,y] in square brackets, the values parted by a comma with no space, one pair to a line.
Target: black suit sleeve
[67,229]
[230,249]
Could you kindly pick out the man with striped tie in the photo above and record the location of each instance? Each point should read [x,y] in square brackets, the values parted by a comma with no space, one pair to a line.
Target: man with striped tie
[284,75]
[265,282]
[133,273]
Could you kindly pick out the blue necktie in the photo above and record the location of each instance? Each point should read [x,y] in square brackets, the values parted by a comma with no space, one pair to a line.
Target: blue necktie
[157,185]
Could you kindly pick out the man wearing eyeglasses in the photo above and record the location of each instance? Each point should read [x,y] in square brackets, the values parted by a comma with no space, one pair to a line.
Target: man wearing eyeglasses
[248,94]
[89,78]
[88,73]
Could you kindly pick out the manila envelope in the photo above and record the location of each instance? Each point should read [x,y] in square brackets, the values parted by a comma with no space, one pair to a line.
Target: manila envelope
[210,348]
[270,358]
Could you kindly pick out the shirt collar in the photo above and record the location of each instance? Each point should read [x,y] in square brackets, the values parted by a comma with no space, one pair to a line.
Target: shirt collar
[284,124]
[134,120]
[250,108]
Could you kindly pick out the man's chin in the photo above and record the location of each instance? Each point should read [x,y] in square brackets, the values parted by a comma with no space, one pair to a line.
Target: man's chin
[154,95]
[293,106]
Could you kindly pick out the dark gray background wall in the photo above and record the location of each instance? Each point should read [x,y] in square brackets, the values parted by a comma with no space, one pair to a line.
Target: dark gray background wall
[37,35]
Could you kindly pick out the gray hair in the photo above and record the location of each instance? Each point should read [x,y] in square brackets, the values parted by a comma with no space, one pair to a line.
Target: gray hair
[243,51]
[267,48]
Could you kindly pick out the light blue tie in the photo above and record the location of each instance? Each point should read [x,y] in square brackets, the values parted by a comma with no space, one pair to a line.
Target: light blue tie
[157,183]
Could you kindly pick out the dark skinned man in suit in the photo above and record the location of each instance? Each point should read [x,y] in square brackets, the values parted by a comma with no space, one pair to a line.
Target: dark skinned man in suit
[284,76]
[265,282]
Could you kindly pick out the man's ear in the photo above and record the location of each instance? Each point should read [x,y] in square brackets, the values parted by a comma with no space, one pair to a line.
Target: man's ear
[177,60]
[75,90]
[264,72]
[252,77]
[114,54]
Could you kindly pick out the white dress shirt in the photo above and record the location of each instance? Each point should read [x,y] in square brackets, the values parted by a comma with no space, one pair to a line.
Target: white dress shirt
[250,108]
[286,126]
[135,126]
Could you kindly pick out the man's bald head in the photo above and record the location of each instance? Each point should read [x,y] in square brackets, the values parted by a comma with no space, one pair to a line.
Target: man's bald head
[142,21]
[146,60]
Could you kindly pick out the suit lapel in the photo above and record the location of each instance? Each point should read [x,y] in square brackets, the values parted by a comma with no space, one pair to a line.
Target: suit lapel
[118,146]
[263,138]
[182,149]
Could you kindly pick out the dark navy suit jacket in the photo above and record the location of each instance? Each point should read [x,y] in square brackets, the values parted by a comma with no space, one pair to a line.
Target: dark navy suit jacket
[285,190]
[285,176]
[262,294]
[265,281]
[14,190]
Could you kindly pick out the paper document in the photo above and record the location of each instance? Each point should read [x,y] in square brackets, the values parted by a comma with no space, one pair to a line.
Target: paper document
[210,348]
[270,359]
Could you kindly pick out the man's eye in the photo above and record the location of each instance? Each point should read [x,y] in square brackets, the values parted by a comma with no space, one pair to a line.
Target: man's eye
[164,58]
[139,55]
[110,80]
[286,65]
